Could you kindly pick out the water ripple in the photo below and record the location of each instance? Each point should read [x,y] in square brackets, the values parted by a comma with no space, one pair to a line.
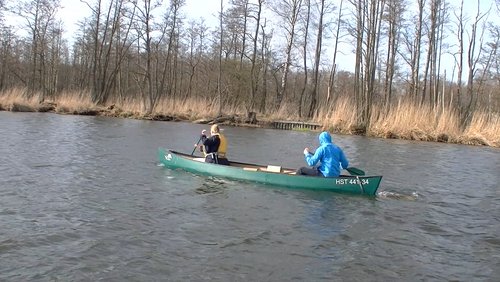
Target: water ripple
[84,199]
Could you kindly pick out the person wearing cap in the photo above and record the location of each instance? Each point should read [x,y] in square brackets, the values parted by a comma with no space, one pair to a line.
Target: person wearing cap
[330,156]
[215,146]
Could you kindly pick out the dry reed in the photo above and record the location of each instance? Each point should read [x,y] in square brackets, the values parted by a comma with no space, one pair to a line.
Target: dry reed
[341,118]
[484,129]
[404,120]
[74,102]
[407,121]
[17,98]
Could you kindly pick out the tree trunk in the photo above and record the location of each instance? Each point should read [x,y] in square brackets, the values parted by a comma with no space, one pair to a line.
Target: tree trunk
[304,56]
[253,73]
[290,15]
[317,61]
[331,81]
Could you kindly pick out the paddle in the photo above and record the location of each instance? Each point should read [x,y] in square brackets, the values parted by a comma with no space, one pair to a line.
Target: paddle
[355,171]
[196,146]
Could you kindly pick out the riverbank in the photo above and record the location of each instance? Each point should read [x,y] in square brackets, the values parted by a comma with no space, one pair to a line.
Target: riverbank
[402,122]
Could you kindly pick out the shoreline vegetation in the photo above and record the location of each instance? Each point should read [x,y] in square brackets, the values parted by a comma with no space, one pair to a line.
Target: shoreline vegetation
[402,121]
[263,61]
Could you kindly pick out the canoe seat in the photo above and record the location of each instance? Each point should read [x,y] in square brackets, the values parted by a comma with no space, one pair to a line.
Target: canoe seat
[250,169]
[274,168]
[199,159]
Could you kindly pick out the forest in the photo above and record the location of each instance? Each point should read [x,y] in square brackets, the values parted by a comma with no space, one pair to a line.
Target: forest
[269,59]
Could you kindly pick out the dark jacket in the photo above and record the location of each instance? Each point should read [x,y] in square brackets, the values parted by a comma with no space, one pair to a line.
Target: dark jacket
[211,148]
[211,143]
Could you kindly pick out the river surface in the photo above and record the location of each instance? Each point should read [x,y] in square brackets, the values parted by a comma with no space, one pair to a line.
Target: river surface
[85,199]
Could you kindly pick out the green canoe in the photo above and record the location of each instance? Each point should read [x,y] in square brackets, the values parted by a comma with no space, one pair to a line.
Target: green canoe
[273,175]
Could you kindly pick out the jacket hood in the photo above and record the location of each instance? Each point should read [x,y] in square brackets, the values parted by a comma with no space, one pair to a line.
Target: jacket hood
[324,138]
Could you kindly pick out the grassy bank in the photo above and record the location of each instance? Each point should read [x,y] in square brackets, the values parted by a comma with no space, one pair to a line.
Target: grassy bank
[403,121]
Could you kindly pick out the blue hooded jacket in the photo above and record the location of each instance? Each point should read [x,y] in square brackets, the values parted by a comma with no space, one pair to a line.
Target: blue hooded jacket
[330,155]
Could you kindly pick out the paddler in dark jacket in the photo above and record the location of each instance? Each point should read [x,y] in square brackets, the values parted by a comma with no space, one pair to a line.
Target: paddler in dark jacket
[215,146]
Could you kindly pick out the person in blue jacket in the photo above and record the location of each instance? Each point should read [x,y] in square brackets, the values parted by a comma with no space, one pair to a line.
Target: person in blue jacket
[330,156]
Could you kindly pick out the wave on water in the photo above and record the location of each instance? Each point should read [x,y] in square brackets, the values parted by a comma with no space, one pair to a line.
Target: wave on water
[397,196]
[212,185]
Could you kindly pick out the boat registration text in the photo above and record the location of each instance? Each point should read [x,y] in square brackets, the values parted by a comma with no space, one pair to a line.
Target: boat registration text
[352,181]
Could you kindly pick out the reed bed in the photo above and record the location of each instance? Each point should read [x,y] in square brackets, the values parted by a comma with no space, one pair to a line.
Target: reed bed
[17,100]
[403,121]
[484,129]
[341,118]
[406,121]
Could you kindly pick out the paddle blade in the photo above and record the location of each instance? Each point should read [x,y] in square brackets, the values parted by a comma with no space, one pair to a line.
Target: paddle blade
[355,171]
[196,146]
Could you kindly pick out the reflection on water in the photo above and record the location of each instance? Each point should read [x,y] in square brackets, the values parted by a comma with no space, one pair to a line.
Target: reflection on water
[83,198]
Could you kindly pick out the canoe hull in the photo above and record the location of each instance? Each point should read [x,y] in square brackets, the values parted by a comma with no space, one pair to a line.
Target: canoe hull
[366,185]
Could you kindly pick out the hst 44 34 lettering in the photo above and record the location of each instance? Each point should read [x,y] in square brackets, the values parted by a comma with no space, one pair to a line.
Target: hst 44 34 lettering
[351,181]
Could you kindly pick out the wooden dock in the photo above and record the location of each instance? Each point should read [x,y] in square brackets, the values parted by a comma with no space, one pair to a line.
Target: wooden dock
[295,125]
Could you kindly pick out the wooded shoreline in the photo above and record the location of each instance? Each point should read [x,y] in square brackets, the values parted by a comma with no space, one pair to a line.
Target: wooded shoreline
[264,61]
[195,113]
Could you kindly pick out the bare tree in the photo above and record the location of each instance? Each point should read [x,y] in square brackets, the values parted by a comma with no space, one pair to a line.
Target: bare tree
[416,52]
[473,57]
[367,34]
[237,25]
[2,7]
[429,70]
[358,33]
[106,23]
[304,54]
[221,40]
[4,45]
[289,11]
[166,82]
[374,20]
[317,59]
[440,37]
[253,70]
[144,29]
[40,19]
[54,56]
[238,66]
[331,81]
[494,70]
[196,35]
[237,20]
[265,58]
[459,55]
[394,17]
[6,53]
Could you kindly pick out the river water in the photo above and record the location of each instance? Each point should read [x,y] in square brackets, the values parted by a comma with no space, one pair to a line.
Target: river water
[84,199]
